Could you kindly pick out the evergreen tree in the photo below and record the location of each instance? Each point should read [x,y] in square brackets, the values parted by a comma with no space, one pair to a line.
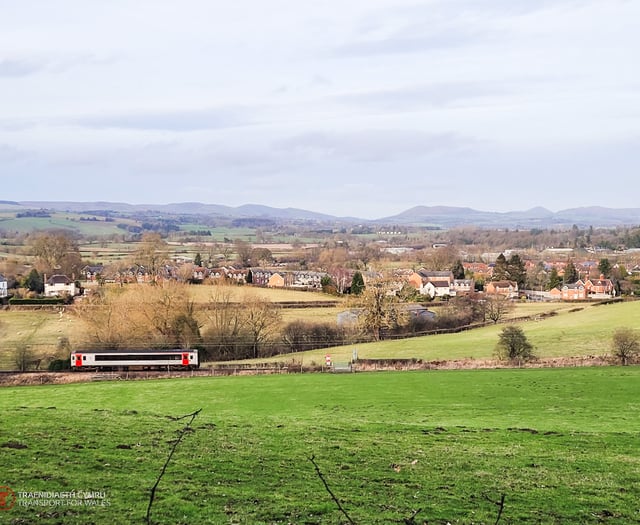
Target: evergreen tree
[554,279]
[570,273]
[458,270]
[605,267]
[357,284]
[516,270]
[500,270]
[513,345]
[198,260]
[34,281]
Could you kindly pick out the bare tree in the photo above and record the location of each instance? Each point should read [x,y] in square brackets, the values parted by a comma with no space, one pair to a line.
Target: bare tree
[152,254]
[496,307]
[223,333]
[626,345]
[380,309]
[261,319]
[57,253]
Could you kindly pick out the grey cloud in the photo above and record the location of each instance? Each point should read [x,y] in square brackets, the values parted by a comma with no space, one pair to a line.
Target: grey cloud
[416,97]
[371,145]
[187,120]
[20,68]
[404,44]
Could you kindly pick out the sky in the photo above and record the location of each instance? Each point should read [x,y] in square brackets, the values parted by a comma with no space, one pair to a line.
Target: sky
[351,108]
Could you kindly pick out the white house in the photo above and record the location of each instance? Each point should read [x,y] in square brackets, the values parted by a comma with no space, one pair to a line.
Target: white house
[59,285]
[3,286]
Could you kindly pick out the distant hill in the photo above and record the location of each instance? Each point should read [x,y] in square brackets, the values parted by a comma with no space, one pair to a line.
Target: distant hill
[437,216]
[448,217]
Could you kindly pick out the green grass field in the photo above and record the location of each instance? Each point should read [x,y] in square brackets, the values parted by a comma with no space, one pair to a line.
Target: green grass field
[567,334]
[561,446]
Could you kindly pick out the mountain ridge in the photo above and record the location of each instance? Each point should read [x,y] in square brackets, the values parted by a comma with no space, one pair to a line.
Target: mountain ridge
[441,216]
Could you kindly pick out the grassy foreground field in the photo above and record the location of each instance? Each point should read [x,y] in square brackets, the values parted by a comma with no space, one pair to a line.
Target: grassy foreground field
[561,446]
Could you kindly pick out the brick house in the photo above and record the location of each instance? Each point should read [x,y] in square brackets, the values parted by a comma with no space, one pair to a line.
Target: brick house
[600,286]
[574,292]
[506,288]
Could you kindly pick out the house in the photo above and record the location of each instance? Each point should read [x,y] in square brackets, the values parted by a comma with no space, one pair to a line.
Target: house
[3,286]
[574,292]
[555,294]
[92,273]
[437,289]
[238,275]
[436,276]
[275,281]
[600,287]
[200,273]
[58,285]
[506,288]
[417,311]
[463,286]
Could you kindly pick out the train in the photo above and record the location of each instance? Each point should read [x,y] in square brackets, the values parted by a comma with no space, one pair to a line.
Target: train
[95,360]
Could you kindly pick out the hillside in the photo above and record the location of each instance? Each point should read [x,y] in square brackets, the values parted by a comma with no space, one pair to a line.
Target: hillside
[438,216]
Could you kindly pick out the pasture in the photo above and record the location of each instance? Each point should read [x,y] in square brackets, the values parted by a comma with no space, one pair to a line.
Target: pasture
[559,445]
[585,331]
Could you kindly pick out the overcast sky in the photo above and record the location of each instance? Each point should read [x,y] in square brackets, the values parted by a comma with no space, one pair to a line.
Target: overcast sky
[360,108]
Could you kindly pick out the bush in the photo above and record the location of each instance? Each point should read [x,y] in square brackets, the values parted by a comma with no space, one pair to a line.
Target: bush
[513,345]
[58,365]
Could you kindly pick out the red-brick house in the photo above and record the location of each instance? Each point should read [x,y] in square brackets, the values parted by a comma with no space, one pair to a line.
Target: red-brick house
[506,288]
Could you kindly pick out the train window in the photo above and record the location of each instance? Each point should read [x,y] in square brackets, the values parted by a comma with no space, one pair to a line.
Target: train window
[84,357]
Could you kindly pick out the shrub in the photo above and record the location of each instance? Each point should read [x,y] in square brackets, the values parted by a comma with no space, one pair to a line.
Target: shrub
[513,345]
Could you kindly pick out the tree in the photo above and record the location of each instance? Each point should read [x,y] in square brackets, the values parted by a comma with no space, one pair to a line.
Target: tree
[243,251]
[604,266]
[261,257]
[198,259]
[23,357]
[500,270]
[223,334]
[380,309]
[516,270]
[458,270]
[261,319]
[152,254]
[357,284]
[570,273]
[513,345]
[57,253]
[626,345]
[33,281]
[496,307]
[554,279]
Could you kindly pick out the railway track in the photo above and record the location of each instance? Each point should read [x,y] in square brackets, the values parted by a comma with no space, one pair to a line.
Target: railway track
[13,377]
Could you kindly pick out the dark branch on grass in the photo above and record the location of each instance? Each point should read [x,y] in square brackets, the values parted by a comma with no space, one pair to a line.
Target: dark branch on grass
[326,486]
[500,504]
[411,520]
[186,429]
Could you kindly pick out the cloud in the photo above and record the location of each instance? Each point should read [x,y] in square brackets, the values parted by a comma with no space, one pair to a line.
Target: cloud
[423,96]
[179,120]
[400,43]
[20,68]
[371,145]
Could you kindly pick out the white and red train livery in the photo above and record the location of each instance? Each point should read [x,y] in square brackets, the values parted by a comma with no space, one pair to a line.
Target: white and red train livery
[135,359]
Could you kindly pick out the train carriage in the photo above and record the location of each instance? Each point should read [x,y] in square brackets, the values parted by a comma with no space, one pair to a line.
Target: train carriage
[178,359]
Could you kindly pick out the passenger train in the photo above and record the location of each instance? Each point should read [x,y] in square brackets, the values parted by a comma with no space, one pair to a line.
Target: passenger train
[179,359]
